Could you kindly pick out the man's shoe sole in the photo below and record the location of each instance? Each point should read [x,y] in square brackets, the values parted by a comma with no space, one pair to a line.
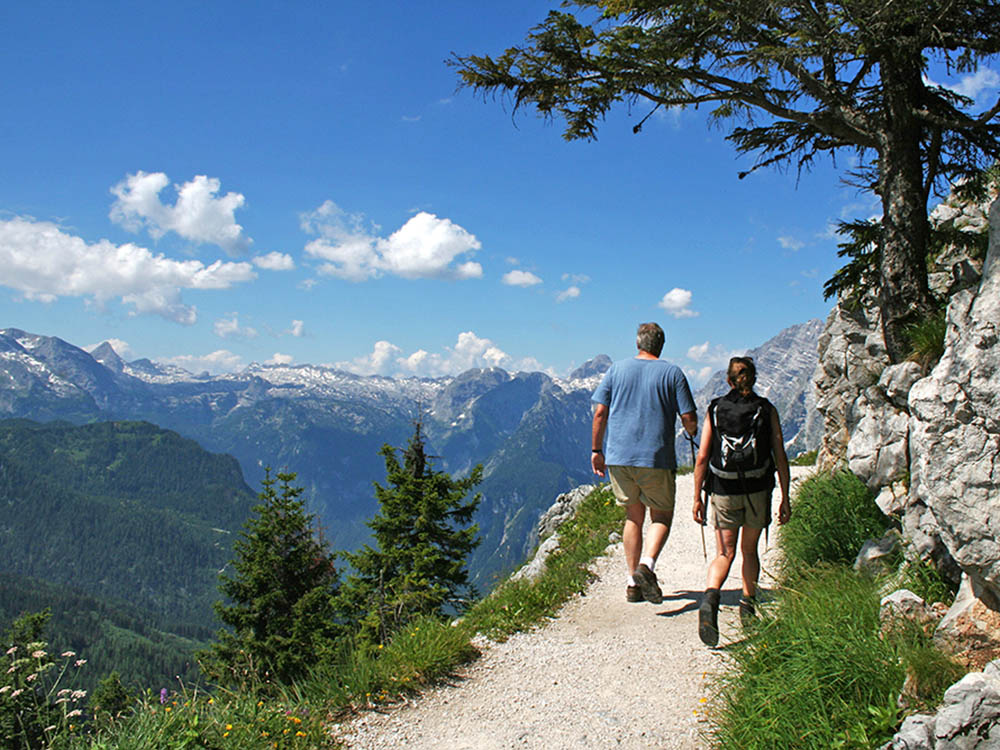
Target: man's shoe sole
[708,624]
[646,580]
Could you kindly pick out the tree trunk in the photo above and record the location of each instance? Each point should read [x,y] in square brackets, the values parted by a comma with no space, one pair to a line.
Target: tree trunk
[905,298]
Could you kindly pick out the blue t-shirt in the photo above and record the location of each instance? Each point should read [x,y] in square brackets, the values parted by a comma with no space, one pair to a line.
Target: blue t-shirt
[644,397]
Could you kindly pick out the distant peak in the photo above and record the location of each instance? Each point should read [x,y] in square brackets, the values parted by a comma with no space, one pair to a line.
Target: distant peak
[596,366]
[107,356]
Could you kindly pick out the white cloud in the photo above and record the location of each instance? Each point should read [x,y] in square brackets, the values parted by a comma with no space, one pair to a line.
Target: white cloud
[215,363]
[699,376]
[44,263]
[275,262]
[982,81]
[470,351]
[229,328]
[424,247]
[198,214]
[677,302]
[715,356]
[567,294]
[576,278]
[790,243]
[298,329]
[518,277]
[280,359]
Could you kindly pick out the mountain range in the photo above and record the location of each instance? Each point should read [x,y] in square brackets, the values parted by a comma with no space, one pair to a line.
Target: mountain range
[529,430]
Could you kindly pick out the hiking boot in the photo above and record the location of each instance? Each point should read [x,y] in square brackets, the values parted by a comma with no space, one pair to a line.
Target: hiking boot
[646,580]
[633,594]
[748,610]
[708,620]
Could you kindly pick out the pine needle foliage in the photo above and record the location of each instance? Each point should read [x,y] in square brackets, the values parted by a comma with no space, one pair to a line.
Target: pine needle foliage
[423,535]
[281,610]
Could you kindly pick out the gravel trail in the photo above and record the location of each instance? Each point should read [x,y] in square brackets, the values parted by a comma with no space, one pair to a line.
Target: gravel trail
[603,674]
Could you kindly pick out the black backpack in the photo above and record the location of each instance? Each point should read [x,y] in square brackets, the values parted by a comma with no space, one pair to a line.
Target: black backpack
[741,444]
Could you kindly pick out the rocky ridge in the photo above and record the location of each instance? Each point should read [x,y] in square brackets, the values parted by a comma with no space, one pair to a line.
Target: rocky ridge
[928,443]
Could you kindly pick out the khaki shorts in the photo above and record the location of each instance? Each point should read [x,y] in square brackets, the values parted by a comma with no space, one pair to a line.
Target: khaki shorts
[732,511]
[654,488]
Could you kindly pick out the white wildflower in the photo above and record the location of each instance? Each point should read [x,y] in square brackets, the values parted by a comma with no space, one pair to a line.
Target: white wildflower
[74,712]
[16,693]
[12,650]
[80,662]
[4,689]
[68,654]
[30,678]
[78,694]
[39,654]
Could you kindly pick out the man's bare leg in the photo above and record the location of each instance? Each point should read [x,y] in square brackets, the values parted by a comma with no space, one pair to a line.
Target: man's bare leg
[635,517]
[659,530]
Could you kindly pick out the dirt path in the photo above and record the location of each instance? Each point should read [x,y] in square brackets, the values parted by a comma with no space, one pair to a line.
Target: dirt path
[603,674]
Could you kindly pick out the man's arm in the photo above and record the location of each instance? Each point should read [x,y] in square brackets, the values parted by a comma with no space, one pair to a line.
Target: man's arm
[781,464]
[689,420]
[701,469]
[600,424]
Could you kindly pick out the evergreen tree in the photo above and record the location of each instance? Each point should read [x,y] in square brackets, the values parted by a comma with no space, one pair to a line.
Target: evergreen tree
[804,77]
[423,535]
[282,613]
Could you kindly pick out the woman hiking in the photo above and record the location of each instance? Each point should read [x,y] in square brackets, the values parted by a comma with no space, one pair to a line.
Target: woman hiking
[741,448]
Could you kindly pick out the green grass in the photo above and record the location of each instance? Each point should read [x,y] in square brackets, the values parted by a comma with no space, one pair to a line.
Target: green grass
[926,339]
[832,517]
[815,674]
[808,458]
[819,670]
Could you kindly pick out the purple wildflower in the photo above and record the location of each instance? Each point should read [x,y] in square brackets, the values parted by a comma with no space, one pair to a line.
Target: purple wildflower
[163,696]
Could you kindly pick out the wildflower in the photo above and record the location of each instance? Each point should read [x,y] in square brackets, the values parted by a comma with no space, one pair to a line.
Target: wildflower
[73,713]
[225,734]
[12,650]
[229,727]
[211,701]
[39,654]
[68,654]
[13,668]
[16,693]
[30,678]
[79,662]
[50,728]
[260,703]
[64,691]
[78,694]
[300,734]
[168,709]
[72,727]
[163,696]
[4,689]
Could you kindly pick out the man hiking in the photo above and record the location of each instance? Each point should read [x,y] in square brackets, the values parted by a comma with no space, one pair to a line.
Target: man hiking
[741,447]
[637,403]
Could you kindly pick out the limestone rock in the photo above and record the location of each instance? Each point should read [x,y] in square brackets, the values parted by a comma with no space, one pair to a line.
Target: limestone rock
[852,356]
[968,718]
[955,427]
[872,559]
[972,623]
[562,509]
[878,449]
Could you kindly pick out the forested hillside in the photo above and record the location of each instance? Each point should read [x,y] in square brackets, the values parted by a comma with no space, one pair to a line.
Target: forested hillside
[121,528]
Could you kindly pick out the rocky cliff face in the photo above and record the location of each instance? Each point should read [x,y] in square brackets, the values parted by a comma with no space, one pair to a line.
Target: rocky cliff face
[929,444]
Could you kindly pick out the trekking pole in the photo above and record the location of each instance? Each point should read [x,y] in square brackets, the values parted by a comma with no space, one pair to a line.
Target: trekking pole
[704,517]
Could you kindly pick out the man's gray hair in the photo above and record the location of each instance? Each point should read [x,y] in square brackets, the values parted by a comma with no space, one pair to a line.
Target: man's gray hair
[650,338]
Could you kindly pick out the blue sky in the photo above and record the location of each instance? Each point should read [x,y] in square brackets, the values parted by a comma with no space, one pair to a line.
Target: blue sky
[217,183]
